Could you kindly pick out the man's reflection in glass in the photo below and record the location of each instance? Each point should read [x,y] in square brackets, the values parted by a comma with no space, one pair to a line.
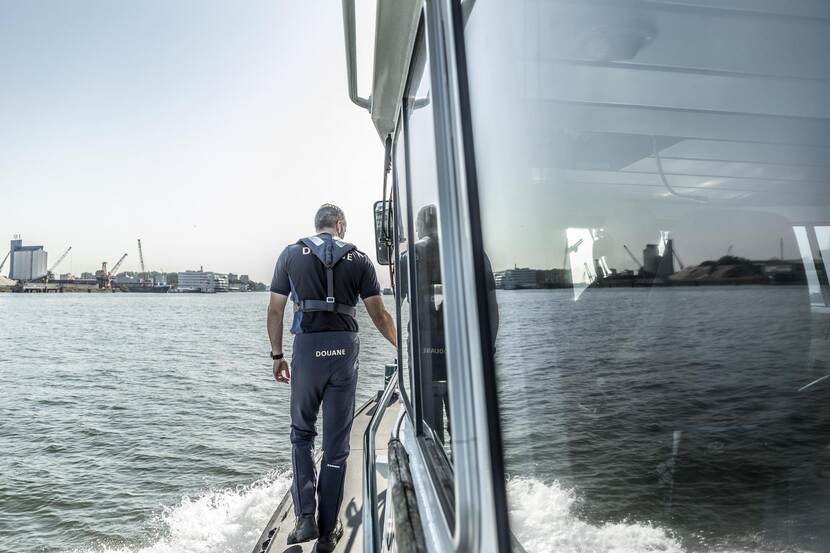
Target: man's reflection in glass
[430,299]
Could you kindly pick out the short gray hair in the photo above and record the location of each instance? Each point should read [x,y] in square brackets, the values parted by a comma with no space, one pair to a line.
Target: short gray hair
[328,216]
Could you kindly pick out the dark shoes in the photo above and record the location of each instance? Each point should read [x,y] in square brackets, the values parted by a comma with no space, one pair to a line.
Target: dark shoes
[305,529]
[326,544]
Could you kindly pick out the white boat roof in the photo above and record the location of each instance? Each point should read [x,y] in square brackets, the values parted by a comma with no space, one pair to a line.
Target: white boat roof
[395,30]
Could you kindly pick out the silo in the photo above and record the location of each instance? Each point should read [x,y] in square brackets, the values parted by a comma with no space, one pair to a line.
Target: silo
[666,266]
[15,245]
[651,259]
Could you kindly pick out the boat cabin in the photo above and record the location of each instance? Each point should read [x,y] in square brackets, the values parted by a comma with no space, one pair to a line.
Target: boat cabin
[605,224]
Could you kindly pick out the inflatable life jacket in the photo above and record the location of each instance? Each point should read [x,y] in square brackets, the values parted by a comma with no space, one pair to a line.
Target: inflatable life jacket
[329,251]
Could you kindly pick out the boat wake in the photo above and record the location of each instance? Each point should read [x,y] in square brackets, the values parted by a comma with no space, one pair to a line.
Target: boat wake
[223,521]
[541,519]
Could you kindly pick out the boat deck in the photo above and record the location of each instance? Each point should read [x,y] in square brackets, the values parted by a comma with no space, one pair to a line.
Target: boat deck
[273,538]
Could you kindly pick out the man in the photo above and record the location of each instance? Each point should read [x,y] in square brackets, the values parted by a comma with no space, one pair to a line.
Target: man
[323,276]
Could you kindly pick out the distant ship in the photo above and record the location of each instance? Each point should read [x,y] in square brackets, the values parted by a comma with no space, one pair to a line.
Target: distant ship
[153,289]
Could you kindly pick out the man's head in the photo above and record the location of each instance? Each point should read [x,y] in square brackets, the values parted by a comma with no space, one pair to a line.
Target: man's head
[426,222]
[330,218]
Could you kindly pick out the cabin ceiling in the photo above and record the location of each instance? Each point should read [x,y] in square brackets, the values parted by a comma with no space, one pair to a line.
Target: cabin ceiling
[735,93]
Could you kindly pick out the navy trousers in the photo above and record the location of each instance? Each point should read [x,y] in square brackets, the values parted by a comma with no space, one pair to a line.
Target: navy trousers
[323,371]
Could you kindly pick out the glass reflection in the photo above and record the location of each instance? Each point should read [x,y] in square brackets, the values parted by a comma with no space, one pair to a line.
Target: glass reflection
[811,266]
[432,344]
[663,382]
[425,254]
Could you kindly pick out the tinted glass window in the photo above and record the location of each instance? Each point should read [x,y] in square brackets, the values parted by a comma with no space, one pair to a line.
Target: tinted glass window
[654,192]
[427,289]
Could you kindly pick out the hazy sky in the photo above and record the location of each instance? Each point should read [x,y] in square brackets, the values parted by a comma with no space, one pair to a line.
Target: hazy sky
[212,130]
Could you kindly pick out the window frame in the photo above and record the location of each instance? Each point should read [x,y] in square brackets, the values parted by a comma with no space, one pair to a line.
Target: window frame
[479,506]
[455,15]
[481,497]
[400,219]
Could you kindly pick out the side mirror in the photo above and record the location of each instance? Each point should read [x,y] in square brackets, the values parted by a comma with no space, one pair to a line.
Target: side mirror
[383,232]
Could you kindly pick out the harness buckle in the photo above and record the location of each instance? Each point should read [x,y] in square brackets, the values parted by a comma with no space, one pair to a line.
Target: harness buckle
[329,299]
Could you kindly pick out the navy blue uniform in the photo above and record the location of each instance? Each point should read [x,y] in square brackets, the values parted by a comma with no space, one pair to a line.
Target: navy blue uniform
[301,276]
[324,366]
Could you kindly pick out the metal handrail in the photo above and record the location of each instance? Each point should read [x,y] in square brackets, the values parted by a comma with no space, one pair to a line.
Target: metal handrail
[371,539]
[351,54]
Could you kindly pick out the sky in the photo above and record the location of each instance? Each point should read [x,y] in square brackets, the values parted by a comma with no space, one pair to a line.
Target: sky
[210,129]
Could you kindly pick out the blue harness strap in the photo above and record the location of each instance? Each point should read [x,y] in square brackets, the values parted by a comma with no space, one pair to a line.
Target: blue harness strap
[329,251]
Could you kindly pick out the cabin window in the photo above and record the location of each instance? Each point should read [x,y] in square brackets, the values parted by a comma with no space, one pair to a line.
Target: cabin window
[425,248]
[653,185]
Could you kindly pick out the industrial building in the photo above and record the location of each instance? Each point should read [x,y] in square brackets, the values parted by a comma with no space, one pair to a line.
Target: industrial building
[26,262]
[202,281]
[656,264]
[651,258]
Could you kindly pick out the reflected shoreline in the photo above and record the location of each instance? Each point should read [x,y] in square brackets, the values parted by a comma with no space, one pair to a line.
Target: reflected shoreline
[723,272]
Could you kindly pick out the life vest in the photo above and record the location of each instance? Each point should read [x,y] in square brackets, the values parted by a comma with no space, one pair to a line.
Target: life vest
[329,251]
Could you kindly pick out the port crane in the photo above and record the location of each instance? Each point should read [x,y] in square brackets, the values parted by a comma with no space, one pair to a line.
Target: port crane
[2,263]
[142,276]
[51,271]
[118,263]
[677,257]
[105,276]
[636,261]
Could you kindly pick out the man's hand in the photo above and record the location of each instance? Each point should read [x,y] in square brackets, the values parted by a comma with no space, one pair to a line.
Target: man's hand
[281,372]
[276,309]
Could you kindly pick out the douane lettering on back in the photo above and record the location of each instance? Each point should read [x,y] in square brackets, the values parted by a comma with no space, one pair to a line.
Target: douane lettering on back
[329,352]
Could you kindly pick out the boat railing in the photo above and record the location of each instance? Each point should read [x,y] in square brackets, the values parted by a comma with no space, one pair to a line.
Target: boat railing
[371,538]
[351,53]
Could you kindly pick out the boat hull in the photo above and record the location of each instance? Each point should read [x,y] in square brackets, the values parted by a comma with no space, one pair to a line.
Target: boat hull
[163,289]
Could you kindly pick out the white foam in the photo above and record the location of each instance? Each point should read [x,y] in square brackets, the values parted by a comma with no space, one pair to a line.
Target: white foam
[541,519]
[224,521]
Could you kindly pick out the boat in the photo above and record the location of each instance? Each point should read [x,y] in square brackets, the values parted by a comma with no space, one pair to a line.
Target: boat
[588,417]
[155,288]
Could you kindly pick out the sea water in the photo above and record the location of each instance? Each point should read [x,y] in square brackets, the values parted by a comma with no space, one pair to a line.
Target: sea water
[144,422]
[152,424]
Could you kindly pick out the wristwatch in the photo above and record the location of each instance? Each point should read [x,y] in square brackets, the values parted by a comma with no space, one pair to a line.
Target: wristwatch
[276,356]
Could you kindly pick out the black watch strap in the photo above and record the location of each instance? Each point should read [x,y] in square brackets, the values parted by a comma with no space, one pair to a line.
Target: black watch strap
[276,356]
